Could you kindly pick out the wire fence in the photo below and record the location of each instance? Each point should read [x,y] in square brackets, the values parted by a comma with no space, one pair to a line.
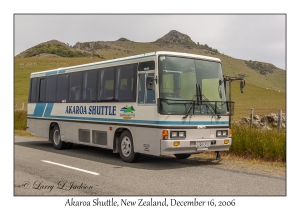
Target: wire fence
[20,106]
[275,120]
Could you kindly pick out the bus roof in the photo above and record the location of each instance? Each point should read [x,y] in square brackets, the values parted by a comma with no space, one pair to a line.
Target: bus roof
[122,61]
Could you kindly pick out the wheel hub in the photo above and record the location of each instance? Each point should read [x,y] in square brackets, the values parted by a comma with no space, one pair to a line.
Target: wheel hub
[125,146]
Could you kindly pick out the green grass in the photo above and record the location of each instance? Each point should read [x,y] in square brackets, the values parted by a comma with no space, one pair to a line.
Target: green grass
[258,144]
[263,101]
[20,119]
[22,133]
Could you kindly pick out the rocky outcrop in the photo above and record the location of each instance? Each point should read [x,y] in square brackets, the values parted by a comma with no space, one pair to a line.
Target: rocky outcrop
[175,37]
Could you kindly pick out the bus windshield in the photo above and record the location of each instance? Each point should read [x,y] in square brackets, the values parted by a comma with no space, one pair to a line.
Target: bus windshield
[177,89]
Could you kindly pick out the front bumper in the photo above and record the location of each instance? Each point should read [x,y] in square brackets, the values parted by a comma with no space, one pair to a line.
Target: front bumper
[194,146]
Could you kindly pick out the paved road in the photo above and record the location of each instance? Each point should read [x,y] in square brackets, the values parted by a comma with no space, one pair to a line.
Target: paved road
[39,169]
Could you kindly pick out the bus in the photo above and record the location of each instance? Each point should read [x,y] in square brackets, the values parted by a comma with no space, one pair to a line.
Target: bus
[156,104]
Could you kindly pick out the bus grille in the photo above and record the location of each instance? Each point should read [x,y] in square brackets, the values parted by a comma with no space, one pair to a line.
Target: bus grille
[84,135]
[99,137]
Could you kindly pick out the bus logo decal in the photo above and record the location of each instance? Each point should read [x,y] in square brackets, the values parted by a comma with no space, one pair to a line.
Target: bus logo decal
[127,112]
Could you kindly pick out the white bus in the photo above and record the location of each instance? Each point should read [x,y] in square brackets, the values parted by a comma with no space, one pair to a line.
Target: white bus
[155,103]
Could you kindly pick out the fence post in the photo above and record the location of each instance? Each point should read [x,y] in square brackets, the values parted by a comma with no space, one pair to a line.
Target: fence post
[279,119]
[251,116]
[22,106]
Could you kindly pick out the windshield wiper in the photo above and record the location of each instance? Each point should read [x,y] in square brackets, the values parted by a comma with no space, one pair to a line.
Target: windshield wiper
[199,99]
[189,110]
[198,94]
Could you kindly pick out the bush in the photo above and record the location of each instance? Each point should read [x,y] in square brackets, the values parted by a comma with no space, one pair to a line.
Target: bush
[258,143]
[20,119]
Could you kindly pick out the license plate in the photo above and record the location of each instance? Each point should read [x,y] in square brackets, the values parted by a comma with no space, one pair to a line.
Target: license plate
[203,144]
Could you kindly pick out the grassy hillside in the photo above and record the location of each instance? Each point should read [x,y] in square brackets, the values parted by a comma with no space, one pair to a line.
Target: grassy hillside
[265,84]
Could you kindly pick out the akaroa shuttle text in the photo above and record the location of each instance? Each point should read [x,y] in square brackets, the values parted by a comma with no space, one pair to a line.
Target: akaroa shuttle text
[92,110]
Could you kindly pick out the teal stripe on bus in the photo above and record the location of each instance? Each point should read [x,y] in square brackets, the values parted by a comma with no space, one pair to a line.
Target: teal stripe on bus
[39,109]
[151,122]
[48,110]
[51,73]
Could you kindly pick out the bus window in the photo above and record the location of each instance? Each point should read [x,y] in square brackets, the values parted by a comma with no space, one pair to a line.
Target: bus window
[62,88]
[75,86]
[89,85]
[146,66]
[33,90]
[145,96]
[107,84]
[127,83]
[51,88]
[42,90]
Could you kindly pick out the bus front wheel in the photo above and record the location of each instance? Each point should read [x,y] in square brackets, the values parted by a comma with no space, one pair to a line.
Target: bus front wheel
[56,141]
[182,156]
[126,148]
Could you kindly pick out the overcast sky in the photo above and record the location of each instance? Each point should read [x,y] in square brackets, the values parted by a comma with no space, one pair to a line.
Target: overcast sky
[248,37]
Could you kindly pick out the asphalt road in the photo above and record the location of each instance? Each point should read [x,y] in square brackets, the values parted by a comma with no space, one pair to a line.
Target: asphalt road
[39,169]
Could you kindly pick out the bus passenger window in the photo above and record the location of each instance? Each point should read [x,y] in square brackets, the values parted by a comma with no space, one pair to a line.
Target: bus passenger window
[62,88]
[33,90]
[126,83]
[75,86]
[89,85]
[108,84]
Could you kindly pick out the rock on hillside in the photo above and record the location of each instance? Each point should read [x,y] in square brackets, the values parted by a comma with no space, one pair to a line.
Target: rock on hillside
[175,37]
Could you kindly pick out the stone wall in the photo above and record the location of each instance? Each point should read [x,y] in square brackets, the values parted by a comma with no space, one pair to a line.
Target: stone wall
[266,122]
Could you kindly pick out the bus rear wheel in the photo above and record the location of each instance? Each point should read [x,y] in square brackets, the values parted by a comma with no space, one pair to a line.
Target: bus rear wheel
[182,156]
[126,148]
[56,140]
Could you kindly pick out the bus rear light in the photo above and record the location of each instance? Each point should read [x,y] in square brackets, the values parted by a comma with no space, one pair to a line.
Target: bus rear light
[230,132]
[165,134]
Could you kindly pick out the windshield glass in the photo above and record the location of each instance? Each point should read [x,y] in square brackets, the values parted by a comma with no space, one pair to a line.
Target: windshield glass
[178,78]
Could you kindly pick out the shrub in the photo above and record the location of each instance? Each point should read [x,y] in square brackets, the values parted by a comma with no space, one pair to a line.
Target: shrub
[258,143]
[20,119]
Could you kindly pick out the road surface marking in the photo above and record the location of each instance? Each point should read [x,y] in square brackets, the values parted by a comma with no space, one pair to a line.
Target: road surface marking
[78,169]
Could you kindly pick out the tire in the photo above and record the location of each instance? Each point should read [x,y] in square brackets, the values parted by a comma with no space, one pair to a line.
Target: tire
[126,148]
[182,156]
[56,142]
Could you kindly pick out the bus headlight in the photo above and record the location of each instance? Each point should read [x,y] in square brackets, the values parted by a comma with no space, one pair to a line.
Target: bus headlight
[181,134]
[222,133]
[178,134]
[174,134]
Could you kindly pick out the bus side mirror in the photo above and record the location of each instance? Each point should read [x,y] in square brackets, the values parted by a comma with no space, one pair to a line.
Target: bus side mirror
[149,83]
